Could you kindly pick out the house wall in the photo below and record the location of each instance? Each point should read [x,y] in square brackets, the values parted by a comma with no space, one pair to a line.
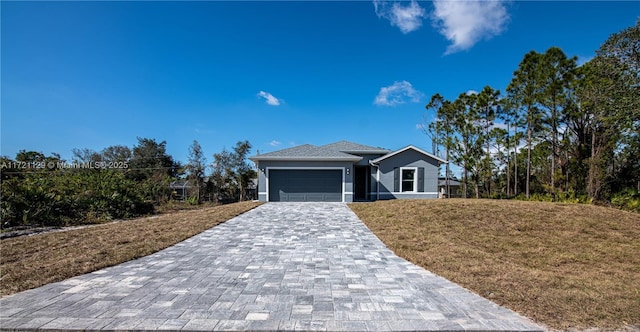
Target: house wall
[264,165]
[408,158]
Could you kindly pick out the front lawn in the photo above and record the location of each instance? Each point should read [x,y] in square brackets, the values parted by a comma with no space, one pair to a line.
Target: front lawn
[562,265]
[31,261]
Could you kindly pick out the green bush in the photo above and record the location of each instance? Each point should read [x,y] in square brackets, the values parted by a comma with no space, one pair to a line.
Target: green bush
[627,200]
[560,197]
[70,197]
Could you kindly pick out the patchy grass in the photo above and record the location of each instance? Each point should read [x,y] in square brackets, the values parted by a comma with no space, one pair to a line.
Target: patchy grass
[562,265]
[32,261]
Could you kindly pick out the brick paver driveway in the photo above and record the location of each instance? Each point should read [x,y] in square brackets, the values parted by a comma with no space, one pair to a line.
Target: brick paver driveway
[281,266]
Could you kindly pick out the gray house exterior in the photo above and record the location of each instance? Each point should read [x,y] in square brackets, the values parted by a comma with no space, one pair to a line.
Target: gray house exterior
[346,172]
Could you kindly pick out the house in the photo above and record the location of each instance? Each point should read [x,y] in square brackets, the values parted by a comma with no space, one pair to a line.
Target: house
[455,187]
[346,172]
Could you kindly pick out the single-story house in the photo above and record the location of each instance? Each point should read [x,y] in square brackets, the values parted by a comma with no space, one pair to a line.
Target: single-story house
[346,172]
[455,187]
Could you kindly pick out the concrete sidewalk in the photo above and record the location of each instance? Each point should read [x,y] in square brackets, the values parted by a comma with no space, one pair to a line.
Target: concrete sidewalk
[281,266]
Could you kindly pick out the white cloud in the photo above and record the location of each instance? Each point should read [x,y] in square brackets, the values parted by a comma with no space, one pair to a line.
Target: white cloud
[397,93]
[275,143]
[407,18]
[269,98]
[471,92]
[464,23]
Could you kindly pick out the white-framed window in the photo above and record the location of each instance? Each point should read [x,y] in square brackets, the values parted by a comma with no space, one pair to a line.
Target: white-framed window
[408,179]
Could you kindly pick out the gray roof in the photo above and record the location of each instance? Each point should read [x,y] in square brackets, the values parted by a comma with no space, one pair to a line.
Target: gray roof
[350,147]
[452,182]
[312,152]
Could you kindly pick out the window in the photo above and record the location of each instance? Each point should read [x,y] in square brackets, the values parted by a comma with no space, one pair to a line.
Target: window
[409,182]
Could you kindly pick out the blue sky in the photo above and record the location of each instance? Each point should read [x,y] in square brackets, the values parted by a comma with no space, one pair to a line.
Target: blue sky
[95,74]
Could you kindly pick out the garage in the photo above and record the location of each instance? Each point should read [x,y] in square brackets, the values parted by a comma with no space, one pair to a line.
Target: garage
[305,185]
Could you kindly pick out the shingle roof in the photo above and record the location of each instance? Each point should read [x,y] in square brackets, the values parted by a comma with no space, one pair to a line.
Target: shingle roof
[350,147]
[343,150]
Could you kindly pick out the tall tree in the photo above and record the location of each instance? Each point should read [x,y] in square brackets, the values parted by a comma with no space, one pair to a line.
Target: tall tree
[513,119]
[524,91]
[467,144]
[623,48]
[487,103]
[232,172]
[116,153]
[85,155]
[196,168]
[502,147]
[245,173]
[608,102]
[150,158]
[557,75]
[443,130]
[153,169]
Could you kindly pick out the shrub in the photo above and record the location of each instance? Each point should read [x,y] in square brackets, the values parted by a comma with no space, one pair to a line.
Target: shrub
[70,197]
[627,200]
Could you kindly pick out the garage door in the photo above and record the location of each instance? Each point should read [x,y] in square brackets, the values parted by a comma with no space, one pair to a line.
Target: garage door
[305,185]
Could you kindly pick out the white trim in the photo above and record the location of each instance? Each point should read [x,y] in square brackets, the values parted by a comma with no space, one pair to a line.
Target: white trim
[375,161]
[377,183]
[343,169]
[415,180]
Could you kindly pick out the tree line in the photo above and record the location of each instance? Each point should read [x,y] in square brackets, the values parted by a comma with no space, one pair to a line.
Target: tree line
[116,182]
[558,131]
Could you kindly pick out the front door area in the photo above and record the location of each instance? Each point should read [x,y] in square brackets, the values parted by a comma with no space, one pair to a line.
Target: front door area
[361,183]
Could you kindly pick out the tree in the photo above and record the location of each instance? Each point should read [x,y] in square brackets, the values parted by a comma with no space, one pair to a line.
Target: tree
[245,173]
[623,48]
[467,144]
[502,146]
[196,167]
[443,130]
[487,103]
[30,156]
[557,75]
[524,91]
[85,155]
[150,158]
[608,101]
[512,117]
[232,173]
[116,153]
[153,169]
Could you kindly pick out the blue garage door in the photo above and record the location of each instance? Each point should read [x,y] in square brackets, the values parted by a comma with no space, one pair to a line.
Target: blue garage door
[287,185]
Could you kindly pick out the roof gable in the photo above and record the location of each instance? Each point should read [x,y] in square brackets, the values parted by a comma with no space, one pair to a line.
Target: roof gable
[410,147]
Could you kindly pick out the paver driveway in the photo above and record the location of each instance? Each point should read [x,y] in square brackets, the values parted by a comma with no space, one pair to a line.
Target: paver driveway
[281,266]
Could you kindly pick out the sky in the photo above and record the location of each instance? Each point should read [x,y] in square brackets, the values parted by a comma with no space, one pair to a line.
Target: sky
[275,73]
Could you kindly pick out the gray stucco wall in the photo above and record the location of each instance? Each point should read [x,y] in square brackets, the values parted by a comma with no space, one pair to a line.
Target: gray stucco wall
[264,166]
[408,158]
